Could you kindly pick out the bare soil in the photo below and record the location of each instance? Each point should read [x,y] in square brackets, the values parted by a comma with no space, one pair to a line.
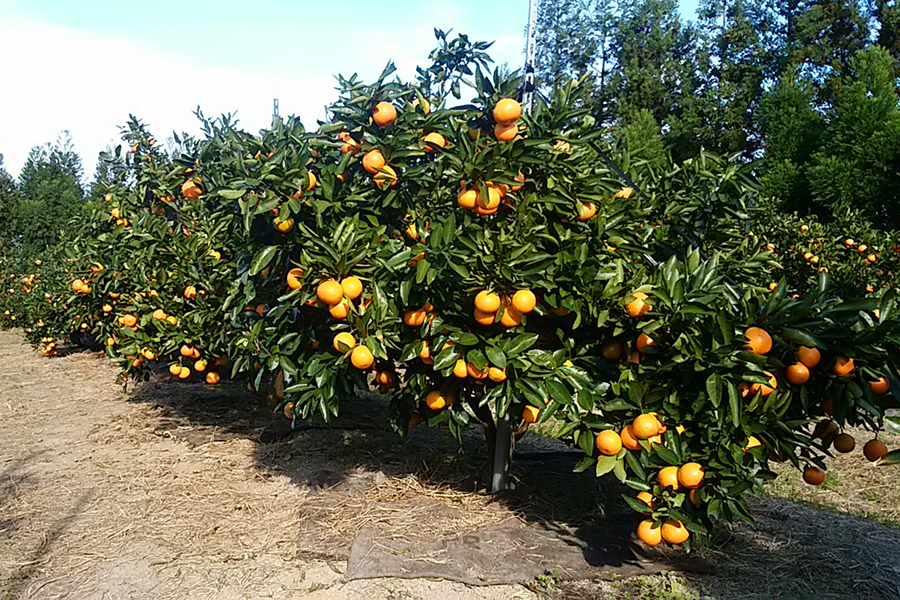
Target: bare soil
[166,491]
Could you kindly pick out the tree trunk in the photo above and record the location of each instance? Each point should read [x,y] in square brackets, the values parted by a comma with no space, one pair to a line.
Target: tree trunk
[502,455]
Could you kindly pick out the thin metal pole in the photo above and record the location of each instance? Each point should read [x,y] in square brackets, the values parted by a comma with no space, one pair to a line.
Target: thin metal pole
[530,43]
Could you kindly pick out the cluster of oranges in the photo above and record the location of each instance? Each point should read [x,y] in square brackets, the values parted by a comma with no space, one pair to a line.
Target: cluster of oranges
[360,356]
[488,304]
[191,352]
[337,296]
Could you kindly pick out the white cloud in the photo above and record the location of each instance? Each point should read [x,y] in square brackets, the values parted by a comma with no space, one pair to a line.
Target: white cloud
[64,79]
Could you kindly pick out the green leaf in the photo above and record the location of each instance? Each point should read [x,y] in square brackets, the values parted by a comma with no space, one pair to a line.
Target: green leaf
[262,259]
[891,458]
[559,392]
[605,464]
[521,344]
[231,194]
[496,356]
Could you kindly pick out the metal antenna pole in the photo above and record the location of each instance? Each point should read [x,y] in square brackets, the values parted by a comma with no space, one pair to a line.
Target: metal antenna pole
[275,108]
[530,43]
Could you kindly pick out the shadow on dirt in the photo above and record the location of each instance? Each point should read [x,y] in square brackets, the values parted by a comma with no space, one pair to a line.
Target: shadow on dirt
[356,469]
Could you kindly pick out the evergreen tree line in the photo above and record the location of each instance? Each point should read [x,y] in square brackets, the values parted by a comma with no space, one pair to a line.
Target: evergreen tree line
[808,88]
[35,207]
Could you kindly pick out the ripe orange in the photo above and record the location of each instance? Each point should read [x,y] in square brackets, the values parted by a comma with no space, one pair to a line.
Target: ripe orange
[649,533]
[693,497]
[362,358]
[174,370]
[212,378]
[809,356]
[881,386]
[674,532]
[531,414]
[467,199]
[763,388]
[330,291]
[608,442]
[843,366]
[814,476]
[521,179]
[384,114]
[752,442]
[507,110]
[459,369]
[293,279]
[484,318]
[373,161]
[506,132]
[797,374]
[191,190]
[492,202]
[629,440]
[511,317]
[474,373]
[414,318]
[760,342]
[668,477]
[844,443]
[646,498]
[586,210]
[497,374]
[346,339]
[386,177]
[434,140]
[862,248]
[184,373]
[638,307]
[524,301]
[352,287]
[339,310]
[190,292]
[690,475]
[874,449]
[645,426]
[643,341]
[425,352]
[200,366]
[129,320]
[436,400]
[107,308]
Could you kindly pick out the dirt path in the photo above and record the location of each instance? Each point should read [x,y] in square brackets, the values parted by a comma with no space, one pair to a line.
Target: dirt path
[165,492]
[95,503]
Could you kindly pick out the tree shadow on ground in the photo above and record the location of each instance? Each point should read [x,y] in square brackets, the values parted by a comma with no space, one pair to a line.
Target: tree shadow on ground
[356,461]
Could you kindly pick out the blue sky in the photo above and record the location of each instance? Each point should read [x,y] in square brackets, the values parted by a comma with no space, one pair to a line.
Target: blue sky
[86,65]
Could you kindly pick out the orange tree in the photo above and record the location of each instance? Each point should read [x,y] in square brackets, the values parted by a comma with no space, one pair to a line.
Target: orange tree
[476,264]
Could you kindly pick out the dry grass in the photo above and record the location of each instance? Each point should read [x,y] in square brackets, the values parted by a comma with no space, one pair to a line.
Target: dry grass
[168,495]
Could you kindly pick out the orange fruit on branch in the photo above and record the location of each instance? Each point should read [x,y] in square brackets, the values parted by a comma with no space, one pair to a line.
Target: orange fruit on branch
[362,357]
[646,498]
[345,339]
[586,210]
[507,110]
[644,341]
[436,400]
[645,426]
[384,114]
[524,301]
[386,177]
[674,532]
[649,533]
[690,475]
[637,307]
[809,356]
[797,374]
[764,389]
[212,378]
[330,292]
[608,442]
[759,340]
[531,414]
[880,386]
[814,476]
[506,132]
[844,443]
[843,366]
[668,477]
[874,449]
[373,161]
[293,279]
[434,140]
[352,287]
[486,301]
